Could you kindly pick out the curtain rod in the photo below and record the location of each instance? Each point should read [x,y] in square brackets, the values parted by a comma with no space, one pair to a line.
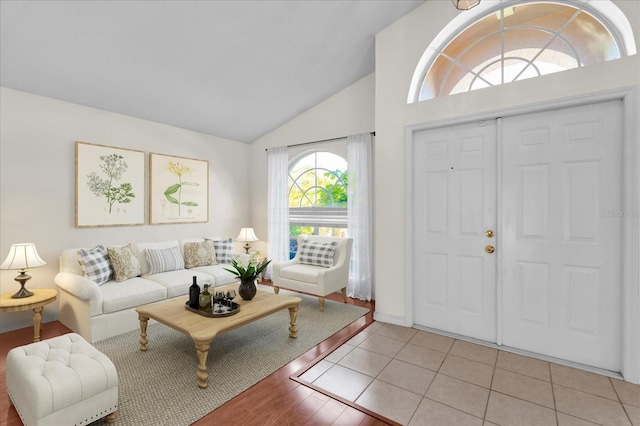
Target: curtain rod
[323,140]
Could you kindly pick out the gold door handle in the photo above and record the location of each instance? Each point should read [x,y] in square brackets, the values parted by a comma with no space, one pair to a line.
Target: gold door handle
[489,249]
[489,233]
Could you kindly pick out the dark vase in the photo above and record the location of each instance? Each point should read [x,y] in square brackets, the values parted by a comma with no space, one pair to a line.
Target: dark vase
[247,289]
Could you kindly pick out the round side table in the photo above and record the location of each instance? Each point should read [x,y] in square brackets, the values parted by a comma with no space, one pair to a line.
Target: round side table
[40,298]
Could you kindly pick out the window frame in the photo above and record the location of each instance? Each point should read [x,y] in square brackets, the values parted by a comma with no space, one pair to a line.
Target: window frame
[605,11]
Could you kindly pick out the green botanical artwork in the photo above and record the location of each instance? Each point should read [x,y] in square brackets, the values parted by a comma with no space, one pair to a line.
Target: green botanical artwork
[113,167]
[179,170]
[179,189]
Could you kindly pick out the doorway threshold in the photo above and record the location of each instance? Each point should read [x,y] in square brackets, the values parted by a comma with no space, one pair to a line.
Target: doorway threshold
[584,367]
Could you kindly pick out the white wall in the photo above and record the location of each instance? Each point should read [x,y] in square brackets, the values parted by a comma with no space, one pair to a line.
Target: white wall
[398,49]
[350,111]
[37,183]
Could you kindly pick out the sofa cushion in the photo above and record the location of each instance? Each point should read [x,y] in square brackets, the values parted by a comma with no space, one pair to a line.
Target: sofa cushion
[199,254]
[95,264]
[317,253]
[223,250]
[164,260]
[177,283]
[135,292]
[124,262]
[217,271]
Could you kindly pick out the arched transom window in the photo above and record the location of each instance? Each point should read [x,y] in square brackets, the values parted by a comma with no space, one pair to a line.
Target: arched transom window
[517,42]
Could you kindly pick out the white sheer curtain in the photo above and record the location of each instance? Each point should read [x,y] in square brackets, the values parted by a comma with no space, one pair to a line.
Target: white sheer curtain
[360,220]
[278,206]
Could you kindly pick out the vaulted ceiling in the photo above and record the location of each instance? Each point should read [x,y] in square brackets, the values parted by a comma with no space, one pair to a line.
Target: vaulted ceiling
[234,69]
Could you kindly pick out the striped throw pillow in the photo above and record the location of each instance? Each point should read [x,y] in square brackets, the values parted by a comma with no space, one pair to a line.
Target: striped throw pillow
[164,260]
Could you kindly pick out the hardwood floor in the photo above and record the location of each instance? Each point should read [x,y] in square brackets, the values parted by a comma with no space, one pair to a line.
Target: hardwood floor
[276,400]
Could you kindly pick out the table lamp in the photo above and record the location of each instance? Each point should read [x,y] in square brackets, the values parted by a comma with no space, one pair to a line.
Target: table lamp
[22,257]
[247,235]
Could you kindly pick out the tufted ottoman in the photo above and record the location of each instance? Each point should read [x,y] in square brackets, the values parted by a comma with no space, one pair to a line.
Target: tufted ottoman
[61,381]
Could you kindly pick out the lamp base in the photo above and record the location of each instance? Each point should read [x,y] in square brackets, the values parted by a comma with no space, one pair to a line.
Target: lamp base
[23,292]
[247,247]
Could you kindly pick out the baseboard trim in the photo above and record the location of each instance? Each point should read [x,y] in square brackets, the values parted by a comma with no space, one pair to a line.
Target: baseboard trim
[390,319]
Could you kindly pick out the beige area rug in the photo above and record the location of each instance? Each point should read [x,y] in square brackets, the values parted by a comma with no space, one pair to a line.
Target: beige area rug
[158,387]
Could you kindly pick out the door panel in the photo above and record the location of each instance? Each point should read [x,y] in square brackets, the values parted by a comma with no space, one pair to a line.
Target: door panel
[455,203]
[561,255]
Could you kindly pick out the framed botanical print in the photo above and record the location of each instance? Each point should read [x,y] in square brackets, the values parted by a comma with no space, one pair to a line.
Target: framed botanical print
[110,186]
[179,189]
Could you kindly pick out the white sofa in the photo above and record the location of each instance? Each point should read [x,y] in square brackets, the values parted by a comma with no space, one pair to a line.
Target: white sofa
[97,312]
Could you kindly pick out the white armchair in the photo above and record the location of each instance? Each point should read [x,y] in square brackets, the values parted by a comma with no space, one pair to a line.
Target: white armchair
[306,276]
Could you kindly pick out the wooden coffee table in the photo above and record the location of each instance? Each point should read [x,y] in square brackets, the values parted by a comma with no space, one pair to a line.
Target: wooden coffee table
[203,330]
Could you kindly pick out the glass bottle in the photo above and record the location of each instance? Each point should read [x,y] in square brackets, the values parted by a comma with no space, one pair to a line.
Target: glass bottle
[194,294]
[205,299]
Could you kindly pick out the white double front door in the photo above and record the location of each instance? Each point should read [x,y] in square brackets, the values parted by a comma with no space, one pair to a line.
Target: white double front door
[513,242]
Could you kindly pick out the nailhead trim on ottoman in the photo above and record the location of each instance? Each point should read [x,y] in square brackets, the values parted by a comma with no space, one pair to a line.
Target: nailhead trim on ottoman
[61,381]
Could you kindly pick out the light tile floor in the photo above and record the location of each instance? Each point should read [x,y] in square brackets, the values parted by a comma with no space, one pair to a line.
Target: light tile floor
[418,378]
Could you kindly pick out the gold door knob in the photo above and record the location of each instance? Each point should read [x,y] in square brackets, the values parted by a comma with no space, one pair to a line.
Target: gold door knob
[489,233]
[489,249]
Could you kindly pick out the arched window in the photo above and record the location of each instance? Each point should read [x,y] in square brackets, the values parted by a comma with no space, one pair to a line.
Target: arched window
[516,41]
[317,196]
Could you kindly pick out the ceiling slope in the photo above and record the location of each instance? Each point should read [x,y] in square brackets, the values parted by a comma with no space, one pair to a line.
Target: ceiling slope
[233,69]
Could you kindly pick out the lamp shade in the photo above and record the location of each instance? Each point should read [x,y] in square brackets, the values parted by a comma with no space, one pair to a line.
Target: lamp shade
[465,4]
[22,256]
[247,234]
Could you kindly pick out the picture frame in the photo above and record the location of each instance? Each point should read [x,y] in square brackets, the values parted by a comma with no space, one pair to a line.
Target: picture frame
[179,189]
[110,186]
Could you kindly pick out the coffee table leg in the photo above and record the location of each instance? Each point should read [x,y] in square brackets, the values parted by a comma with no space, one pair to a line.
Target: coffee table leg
[143,332]
[293,328]
[202,349]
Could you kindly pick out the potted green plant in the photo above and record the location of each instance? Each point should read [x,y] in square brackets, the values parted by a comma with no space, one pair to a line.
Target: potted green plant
[246,269]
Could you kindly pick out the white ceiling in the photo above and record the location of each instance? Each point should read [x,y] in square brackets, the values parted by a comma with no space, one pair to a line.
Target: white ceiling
[234,69]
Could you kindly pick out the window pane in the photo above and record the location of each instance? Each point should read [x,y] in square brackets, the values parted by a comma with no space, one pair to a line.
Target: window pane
[333,232]
[317,196]
[546,15]
[591,39]
[484,51]
[431,85]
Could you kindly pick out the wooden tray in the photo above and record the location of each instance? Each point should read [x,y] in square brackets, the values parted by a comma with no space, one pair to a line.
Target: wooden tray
[228,308]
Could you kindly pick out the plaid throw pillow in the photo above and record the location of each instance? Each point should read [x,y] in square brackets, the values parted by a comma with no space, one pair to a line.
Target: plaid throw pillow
[95,264]
[163,260]
[317,253]
[223,250]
